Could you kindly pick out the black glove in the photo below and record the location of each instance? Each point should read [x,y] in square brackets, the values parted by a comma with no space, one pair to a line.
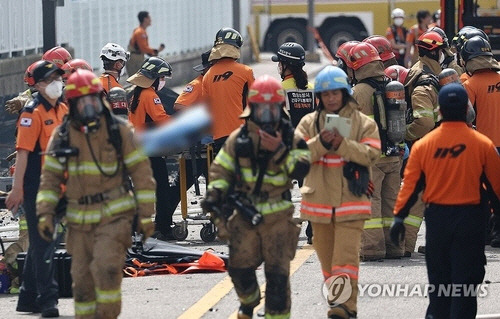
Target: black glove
[397,230]
[357,177]
[211,200]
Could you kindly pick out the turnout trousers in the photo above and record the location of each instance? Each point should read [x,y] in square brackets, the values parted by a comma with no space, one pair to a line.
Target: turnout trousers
[274,242]
[98,256]
[337,245]
[376,235]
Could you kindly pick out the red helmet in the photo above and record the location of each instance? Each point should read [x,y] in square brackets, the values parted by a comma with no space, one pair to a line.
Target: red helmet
[382,45]
[266,89]
[397,73]
[362,54]
[57,55]
[28,75]
[72,65]
[430,40]
[82,82]
[343,51]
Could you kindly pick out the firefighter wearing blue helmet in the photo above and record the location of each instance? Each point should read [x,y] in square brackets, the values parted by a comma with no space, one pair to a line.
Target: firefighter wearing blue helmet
[335,195]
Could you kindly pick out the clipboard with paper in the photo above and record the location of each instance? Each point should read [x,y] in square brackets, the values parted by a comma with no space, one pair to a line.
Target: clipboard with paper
[342,124]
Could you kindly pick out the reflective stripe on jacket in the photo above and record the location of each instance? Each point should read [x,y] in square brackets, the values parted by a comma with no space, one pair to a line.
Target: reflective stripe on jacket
[325,187]
[84,178]
[276,180]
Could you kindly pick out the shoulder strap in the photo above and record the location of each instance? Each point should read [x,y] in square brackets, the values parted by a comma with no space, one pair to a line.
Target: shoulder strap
[428,79]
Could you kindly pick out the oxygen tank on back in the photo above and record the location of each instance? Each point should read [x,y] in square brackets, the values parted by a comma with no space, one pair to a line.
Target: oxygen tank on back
[396,111]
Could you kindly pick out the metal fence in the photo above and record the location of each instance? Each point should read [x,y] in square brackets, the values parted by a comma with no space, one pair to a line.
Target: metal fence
[87,25]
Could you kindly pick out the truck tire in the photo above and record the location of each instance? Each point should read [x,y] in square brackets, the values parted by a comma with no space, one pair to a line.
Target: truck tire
[286,31]
[338,34]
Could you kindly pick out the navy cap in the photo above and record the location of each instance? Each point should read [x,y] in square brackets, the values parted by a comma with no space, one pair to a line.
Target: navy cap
[44,70]
[453,95]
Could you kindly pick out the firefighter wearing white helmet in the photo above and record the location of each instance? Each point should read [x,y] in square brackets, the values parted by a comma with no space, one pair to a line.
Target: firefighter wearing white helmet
[396,34]
[114,57]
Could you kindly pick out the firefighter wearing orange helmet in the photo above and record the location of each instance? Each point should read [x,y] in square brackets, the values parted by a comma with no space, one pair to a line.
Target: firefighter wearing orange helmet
[57,55]
[370,92]
[253,172]
[37,120]
[422,86]
[93,153]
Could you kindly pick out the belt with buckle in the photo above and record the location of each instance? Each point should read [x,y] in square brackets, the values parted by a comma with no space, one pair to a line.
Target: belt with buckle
[100,197]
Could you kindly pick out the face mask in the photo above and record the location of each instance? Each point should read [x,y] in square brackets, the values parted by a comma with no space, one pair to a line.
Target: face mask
[54,89]
[161,84]
[89,114]
[399,21]
[266,115]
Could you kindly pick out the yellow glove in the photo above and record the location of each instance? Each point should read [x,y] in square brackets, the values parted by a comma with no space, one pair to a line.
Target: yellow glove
[14,105]
[46,226]
[146,227]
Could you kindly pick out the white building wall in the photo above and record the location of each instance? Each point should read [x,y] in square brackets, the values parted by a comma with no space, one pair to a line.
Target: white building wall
[87,25]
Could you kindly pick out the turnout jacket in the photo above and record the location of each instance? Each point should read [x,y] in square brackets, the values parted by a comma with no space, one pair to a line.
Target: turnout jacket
[424,99]
[84,178]
[282,167]
[325,191]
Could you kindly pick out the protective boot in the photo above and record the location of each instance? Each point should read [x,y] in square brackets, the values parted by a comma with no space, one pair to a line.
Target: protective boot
[340,312]
[245,312]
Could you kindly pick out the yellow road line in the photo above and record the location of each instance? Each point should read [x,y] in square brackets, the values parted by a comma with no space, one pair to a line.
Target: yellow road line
[212,297]
[300,257]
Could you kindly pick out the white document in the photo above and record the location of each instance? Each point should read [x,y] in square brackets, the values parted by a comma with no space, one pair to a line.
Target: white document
[342,124]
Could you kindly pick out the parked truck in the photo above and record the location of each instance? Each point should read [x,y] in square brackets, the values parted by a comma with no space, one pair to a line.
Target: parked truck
[338,21]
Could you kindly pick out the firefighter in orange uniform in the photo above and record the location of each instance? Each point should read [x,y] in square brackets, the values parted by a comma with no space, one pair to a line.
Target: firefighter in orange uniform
[448,164]
[147,111]
[57,55]
[139,45]
[396,34]
[225,85]
[114,57]
[334,193]
[193,92]
[101,204]
[39,291]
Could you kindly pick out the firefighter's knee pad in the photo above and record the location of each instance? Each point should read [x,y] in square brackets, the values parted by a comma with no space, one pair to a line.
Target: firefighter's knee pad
[276,292]
[244,279]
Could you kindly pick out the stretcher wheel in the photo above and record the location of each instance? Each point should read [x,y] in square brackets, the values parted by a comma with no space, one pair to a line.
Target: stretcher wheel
[179,232]
[208,232]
